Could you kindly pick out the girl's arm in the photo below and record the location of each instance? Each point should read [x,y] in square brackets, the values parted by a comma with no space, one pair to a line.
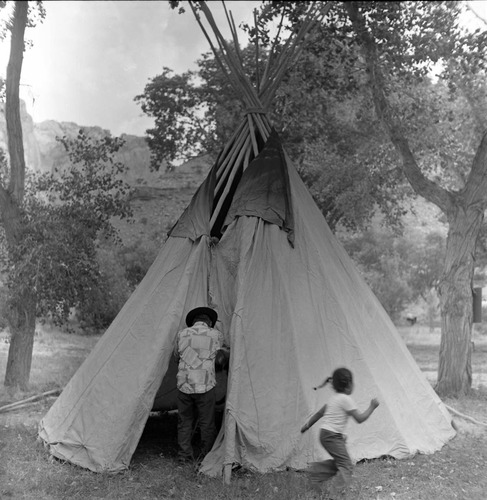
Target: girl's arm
[313,419]
[362,417]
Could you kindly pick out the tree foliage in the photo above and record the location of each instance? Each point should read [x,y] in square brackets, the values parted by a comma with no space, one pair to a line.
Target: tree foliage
[400,269]
[349,169]
[194,112]
[382,261]
[63,215]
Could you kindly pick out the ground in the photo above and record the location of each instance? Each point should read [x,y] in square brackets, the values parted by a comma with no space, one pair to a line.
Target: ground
[27,472]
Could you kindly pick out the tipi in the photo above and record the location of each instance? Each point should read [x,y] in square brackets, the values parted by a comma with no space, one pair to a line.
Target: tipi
[253,245]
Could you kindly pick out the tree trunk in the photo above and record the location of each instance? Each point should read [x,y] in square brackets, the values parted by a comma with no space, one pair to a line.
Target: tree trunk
[22,321]
[455,291]
[21,312]
[12,102]
[22,305]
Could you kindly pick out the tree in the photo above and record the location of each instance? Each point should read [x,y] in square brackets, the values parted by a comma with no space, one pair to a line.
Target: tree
[400,269]
[196,112]
[399,41]
[50,224]
[64,217]
[21,309]
[425,261]
[382,260]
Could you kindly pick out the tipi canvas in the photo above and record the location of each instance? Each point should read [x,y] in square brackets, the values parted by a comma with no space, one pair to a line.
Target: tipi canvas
[253,245]
[293,313]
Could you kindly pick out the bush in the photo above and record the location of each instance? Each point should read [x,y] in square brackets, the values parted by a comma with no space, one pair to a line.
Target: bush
[136,261]
[104,302]
[121,270]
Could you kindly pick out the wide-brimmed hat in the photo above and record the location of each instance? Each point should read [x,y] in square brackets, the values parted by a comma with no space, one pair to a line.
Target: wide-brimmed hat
[211,313]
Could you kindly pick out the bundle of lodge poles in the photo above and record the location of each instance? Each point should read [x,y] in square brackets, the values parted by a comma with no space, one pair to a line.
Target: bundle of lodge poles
[255,128]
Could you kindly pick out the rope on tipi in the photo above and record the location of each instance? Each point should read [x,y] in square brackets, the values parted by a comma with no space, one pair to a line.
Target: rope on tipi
[255,128]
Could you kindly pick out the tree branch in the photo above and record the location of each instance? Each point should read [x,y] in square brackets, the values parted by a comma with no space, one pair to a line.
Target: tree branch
[419,182]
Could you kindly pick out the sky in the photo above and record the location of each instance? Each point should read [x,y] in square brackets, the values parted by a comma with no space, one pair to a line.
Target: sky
[89,59]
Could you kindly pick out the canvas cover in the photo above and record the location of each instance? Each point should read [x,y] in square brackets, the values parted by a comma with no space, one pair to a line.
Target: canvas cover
[293,308]
[99,417]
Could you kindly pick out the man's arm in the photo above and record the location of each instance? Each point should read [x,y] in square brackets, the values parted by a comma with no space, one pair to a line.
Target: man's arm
[222,341]
[176,347]
[223,353]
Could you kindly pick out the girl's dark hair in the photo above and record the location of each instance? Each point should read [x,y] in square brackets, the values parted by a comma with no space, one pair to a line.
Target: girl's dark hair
[341,379]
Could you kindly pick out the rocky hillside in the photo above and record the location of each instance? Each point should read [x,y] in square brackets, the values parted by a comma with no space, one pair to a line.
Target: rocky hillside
[158,198]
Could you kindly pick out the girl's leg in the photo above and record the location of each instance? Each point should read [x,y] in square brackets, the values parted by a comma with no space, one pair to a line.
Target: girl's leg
[319,472]
[322,471]
[334,444]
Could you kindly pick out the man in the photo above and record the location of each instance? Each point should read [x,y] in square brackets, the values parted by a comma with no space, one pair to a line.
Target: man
[197,347]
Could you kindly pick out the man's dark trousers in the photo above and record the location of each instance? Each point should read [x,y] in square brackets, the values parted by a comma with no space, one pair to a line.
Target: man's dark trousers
[190,407]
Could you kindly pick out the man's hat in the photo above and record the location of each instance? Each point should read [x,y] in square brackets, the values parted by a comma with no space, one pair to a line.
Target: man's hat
[211,313]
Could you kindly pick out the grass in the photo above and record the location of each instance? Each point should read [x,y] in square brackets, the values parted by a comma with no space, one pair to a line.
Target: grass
[424,345]
[56,358]
[28,472]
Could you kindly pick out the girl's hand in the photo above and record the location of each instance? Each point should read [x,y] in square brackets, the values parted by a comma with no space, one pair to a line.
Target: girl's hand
[374,403]
[304,428]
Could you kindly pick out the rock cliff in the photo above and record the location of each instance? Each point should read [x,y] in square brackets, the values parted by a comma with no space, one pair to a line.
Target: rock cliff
[158,198]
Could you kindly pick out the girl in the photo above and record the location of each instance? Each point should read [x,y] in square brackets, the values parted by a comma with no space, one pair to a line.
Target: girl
[335,415]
